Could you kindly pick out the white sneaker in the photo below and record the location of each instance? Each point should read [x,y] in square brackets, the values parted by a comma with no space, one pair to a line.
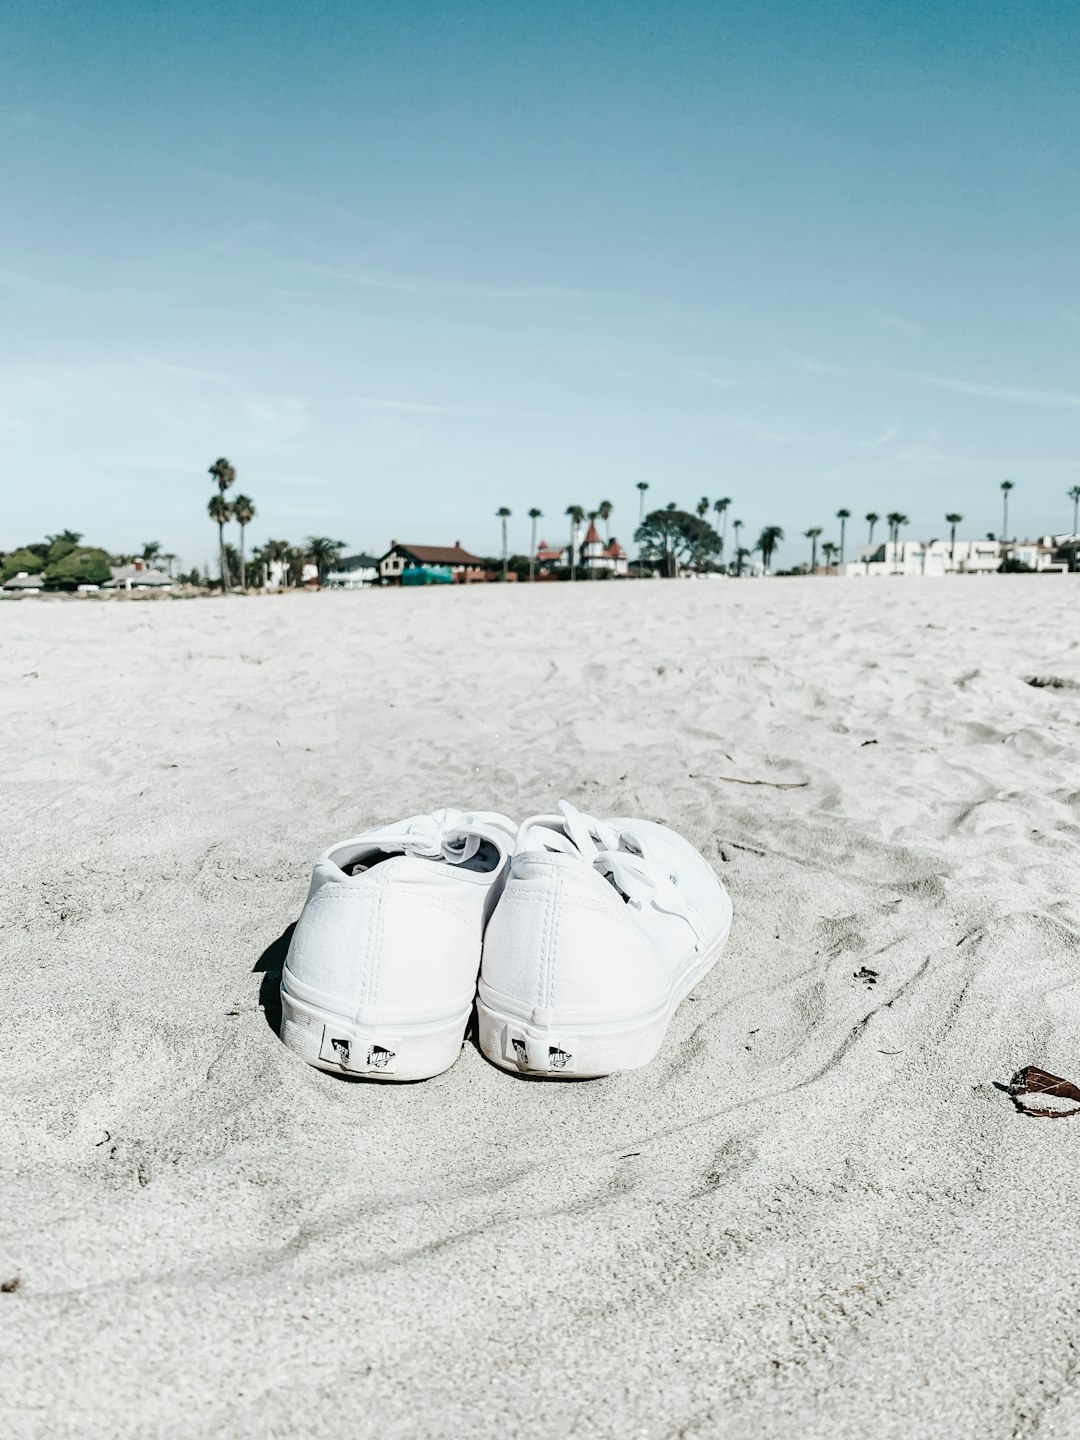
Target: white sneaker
[604,927]
[381,972]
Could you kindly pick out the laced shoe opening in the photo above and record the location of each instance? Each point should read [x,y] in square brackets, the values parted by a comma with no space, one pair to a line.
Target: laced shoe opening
[352,861]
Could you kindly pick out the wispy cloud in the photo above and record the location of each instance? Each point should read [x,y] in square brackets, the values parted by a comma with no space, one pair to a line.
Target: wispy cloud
[1046,399]
[896,322]
[450,290]
[883,439]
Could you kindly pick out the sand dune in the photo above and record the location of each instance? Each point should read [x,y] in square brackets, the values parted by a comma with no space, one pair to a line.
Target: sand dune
[813,1215]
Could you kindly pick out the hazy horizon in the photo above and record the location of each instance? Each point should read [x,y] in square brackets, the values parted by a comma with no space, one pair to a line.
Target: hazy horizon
[407,265]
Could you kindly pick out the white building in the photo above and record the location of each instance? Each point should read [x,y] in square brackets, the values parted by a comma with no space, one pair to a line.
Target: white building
[966,557]
[137,576]
[353,572]
[595,554]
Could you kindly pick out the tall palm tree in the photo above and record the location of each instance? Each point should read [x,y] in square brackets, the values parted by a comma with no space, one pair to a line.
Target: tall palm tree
[812,535]
[872,517]
[1074,496]
[895,520]
[577,515]
[224,475]
[244,513]
[741,557]
[534,516]
[151,550]
[642,486]
[843,516]
[702,506]
[604,510]
[220,511]
[736,525]
[952,520]
[1006,486]
[768,540]
[721,508]
[322,552]
[503,514]
[828,549]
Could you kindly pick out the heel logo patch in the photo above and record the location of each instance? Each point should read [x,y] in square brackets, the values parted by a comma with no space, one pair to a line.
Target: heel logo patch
[354,1055]
[531,1054]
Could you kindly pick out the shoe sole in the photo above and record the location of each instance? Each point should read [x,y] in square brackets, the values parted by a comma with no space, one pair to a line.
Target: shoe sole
[585,1052]
[392,1053]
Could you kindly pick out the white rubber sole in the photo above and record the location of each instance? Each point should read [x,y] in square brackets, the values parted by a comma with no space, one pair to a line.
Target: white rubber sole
[398,1052]
[556,1051]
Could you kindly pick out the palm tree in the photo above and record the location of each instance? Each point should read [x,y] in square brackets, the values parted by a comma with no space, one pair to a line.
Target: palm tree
[151,550]
[768,540]
[1006,486]
[577,515]
[1074,496]
[741,557]
[702,506]
[642,486]
[721,508]
[812,535]
[534,516]
[843,516]
[895,520]
[220,511]
[169,560]
[604,510]
[503,514]
[224,476]
[952,520]
[871,518]
[244,513]
[828,549]
[322,552]
[736,525]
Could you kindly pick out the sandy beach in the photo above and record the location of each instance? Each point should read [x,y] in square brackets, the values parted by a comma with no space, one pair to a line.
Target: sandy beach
[814,1215]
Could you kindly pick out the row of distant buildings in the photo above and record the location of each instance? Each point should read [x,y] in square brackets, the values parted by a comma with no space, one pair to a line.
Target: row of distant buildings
[453,565]
[1050,554]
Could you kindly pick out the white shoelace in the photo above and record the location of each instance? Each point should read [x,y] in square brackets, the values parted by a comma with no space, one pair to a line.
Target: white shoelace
[620,856]
[450,835]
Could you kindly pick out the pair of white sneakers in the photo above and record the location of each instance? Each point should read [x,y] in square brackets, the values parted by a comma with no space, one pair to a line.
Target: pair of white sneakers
[587,934]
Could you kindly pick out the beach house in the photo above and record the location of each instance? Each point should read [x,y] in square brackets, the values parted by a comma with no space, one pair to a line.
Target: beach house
[966,557]
[353,572]
[431,565]
[137,576]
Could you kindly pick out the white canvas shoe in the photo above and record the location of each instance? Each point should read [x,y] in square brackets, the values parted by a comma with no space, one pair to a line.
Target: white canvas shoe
[604,927]
[381,972]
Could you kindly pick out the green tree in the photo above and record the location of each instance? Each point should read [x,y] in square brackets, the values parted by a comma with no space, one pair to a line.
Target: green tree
[812,535]
[736,525]
[872,518]
[768,540]
[323,552]
[534,516]
[244,512]
[577,515]
[1074,496]
[224,476]
[828,549]
[16,561]
[503,514]
[952,520]
[80,566]
[151,550]
[702,507]
[671,536]
[843,516]
[220,511]
[741,557]
[642,486]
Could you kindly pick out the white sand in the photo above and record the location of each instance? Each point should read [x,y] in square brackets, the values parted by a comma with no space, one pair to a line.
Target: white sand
[813,1216]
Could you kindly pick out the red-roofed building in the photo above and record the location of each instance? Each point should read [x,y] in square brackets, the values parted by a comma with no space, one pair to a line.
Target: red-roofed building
[549,557]
[435,564]
[596,555]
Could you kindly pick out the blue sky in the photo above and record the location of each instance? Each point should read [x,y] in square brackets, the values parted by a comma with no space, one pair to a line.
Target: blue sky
[405,263]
